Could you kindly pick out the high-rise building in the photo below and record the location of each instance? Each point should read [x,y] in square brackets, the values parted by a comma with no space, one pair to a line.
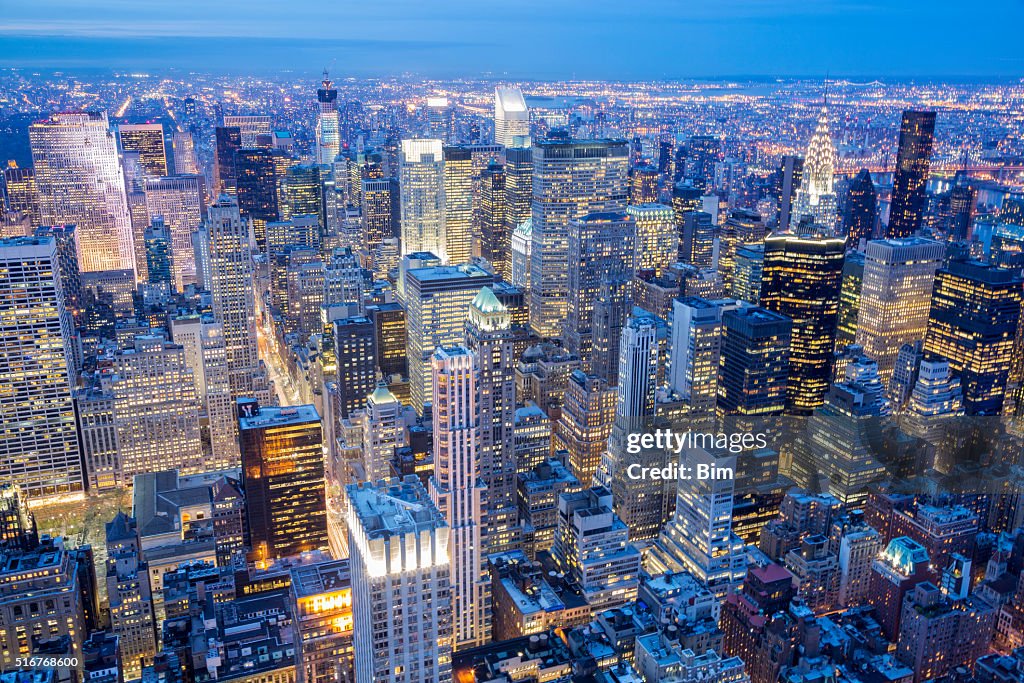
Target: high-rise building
[402,581]
[585,423]
[600,249]
[283,478]
[389,335]
[511,118]
[518,196]
[816,197]
[38,448]
[754,368]
[146,140]
[227,141]
[356,362]
[383,432]
[861,210]
[328,134]
[255,129]
[963,201]
[741,227]
[495,237]
[130,595]
[975,311]
[801,280]
[748,272]
[643,185]
[256,170]
[380,219]
[457,489]
[898,279]
[458,204]
[703,152]
[571,179]
[697,239]
[902,565]
[913,163]
[301,193]
[322,612]
[696,351]
[179,200]
[421,182]
[437,304]
[657,241]
[21,193]
[80,181]
[849,299]
[790,179]
[183,145]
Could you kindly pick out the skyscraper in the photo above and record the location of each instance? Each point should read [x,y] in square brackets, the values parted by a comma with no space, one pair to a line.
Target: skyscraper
[962,202]
[816,197]
[458,490]
[741,227]
[383,432]
[495,237]
[703,152]
[129,595]
[80,181]
[380,220]
[791,177]
[913,162]
[571,179]
[895,295]
[356,361]
[657,241]
[227,140]
[458,204]
[255,129]
[861,210]
[179,200]
[328,140]
[696,351]
[257,190]
[585,422]
[511,118]
[283,478]
[697,239]
[38,448]
[421,183]
[754,367]
[849,299]
[147,140]
[801,280]
[401,583]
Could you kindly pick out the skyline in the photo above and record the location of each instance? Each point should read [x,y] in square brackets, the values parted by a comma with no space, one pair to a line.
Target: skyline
[655,39]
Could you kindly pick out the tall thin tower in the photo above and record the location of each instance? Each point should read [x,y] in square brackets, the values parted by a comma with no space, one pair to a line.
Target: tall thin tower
[328,139]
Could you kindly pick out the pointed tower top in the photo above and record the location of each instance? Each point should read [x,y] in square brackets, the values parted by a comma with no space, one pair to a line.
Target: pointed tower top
[486,302]
[382,394]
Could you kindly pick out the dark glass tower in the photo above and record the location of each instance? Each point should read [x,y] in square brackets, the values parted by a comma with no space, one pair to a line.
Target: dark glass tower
[913,161]
[225,176]
[861,210]
[754,363]
[961,208]
[257,190]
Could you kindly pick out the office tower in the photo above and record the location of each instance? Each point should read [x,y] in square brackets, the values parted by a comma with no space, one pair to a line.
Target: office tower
[254,130]
[802,276]
[849,299]
[518,192]
[421,182]
[697,239]
[901,566]
[600,249]
[437,304]
[585,423]
[542,374]
[816,198]
[511,118]
[521,245]
[328,140]
[532,436]
[357,362]
[383,432]
[65,237]
[458,491]
[495,237]
[696,351]
[97,434]
[571,179]
[905,371]
[657,242]
[389,336]
[39,451]
[898,279]
[231,287]
[256,171]
[539,490]
[146,140]
[861,210]
[856,544]
[638,366]
[458,204]
[748,271]
[703,152]
[936,396]
[611,310]
[592,545]
[685,199]
[815,573]
[21,192]
[963,200]
[321,606]
[129,595]
[301,193]
[754,368]
[913,163]
[202,339]
[17,523]
[975,311]
[741,227]
[380,221]
[283,478]
[156,409]
[157,242]
[183,147]
[699,537]
[179,200]
[440,119]
[80,181]
[490,338]
[643,185]
[791,177]
[227,141]
[401,583]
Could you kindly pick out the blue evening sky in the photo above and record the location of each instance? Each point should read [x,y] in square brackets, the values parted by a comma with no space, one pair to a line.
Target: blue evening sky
[524,38]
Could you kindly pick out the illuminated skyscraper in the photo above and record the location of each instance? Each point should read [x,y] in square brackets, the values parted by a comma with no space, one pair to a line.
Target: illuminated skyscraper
[849,299]
[913,163]
[157,242]
[328,141]
[585,423]
[495,237]
[697,239]
[643,185]
[458,490]
[401,584]
[383,432]
[80,181]
[601,249]
[146,139]
[458,204]
[357,367]
[301,193]
[255,129]
[962,203]
[283,477]
[571,179]
[801,280]
[257,190]
[518,191]
[511,118]
[754,367]
[227,141]
[703,152]
[657,241]
[895,297]
[696,351]
[975,311]
[748,272]
[38,448]
[816,197]
[861,210]
[21,193]
[184,147]
[790,177]
[179,200]
[421,181]
[380,218]
[130,595]
[742,227]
